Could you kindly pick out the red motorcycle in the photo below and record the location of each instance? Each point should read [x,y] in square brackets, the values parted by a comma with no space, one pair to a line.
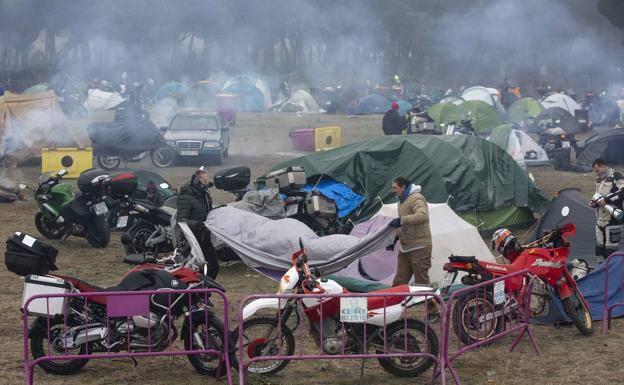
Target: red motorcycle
[477,317]
[87,324]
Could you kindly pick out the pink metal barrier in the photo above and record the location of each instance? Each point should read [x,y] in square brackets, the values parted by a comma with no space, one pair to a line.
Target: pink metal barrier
[84,326]
[485,312]
[405,339]
[611,301]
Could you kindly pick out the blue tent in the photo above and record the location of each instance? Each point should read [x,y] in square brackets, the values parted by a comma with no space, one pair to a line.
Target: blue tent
[371,104]
[169,89]
[253,93]
[404,107]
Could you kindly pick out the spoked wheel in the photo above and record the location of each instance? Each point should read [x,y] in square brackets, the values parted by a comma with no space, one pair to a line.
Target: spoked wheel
[474,317]
[108,162]
[262,338]
[41,347]
[576,308]
[415,338]
[163,157]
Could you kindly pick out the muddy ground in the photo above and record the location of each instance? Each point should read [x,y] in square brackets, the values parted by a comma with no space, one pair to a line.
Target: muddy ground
[260,141]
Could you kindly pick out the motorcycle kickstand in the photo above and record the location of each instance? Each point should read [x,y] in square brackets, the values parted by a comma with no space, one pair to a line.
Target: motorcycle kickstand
[134,361]
[362,372]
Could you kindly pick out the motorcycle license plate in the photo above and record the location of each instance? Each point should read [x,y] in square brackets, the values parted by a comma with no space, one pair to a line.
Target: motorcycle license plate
[189,153]
[100,208]
[565,144]
[122,222]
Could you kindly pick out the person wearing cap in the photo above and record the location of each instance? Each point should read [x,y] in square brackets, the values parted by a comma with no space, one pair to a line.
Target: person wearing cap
[194,204]
[393,123]
[151,191]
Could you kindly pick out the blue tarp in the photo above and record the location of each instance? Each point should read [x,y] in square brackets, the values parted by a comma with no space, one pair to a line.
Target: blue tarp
[346,200]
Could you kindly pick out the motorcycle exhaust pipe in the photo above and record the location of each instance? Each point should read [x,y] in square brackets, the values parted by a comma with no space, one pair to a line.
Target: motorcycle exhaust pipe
[89,335]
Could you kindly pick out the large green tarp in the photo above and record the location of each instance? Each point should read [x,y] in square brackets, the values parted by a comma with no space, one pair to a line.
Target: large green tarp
[470,172]
[483,116]
[523,108]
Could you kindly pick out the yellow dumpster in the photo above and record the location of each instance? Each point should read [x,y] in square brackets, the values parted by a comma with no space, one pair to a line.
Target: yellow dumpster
[327,138]
[75,160]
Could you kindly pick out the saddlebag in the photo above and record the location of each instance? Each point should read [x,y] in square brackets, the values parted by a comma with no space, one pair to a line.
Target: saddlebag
[26,255]
[233,179]
[319,205]
[46,285]
[291,178]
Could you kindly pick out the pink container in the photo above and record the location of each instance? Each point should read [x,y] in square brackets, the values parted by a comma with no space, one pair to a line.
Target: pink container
[303,139]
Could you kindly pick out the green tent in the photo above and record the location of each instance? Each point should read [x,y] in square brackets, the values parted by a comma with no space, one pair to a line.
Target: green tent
[441,111]
[523,107]
[484,117]
[475,176]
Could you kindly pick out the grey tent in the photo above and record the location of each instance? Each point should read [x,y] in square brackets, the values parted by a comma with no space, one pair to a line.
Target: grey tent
[566,121]
[583,243]
[608,145]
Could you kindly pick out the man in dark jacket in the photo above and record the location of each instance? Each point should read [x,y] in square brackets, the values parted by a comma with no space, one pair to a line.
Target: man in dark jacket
[194,204]
[393,123]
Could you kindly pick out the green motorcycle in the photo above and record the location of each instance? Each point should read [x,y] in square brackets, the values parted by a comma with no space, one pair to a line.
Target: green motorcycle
[61,213]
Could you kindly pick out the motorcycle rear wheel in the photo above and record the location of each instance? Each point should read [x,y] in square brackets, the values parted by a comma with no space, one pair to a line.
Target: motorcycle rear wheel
[139,234]
[39,344]
[163,157]
[108,163]
[417,333]
[578,312]
[98,234]
[45,227]
[466,315]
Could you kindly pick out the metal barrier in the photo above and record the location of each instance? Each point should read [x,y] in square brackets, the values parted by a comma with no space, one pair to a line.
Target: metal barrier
[344,336]
[123,324]
[606,308]
[485,312]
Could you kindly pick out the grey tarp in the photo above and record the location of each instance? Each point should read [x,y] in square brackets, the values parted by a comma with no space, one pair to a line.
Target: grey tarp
[269,244]
[267,203]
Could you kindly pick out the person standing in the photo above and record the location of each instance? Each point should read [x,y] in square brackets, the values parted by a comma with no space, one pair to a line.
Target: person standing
[393,123]
[609,181]
[414,233]
[194,204]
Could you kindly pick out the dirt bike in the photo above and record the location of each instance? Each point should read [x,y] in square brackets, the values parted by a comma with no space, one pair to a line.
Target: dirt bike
[87,323]
[477,317]
[262,335]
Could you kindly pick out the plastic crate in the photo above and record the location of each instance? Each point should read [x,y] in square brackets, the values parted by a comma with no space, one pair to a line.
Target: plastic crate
[74,160]
[303,139]
[327,138]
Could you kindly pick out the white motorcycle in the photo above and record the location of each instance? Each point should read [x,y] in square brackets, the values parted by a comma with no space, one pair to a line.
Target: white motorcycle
[336,328]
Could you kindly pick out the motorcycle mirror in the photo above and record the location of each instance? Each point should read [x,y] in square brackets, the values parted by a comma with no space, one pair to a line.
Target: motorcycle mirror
[62,172]
[164,185]
[565,211]
[22,186]
[205,270]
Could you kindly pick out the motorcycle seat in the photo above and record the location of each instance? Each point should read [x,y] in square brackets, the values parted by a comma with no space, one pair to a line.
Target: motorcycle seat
[379,302]
[464,259]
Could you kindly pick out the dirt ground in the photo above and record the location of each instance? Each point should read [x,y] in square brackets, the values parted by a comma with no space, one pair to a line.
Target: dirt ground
[260,141]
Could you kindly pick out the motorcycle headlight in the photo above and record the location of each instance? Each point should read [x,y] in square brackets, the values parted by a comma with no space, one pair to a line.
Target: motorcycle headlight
[211,144]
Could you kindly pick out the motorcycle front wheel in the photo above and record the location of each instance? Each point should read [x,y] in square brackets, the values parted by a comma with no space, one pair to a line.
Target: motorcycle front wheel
[262,338]
[576,308]
[211,339]
[163,157]
[108,163]
[41,347]
[47,228]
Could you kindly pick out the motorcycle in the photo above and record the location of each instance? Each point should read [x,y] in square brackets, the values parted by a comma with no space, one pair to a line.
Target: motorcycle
[385,327]
[476,319]
[62,214]
[465,128]
[87,323]
[150,233]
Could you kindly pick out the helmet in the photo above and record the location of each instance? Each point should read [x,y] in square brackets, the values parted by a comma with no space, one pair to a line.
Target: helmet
[151,187]
[502,239]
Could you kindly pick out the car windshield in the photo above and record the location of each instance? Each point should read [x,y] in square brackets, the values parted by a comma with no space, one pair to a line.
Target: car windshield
[192,122]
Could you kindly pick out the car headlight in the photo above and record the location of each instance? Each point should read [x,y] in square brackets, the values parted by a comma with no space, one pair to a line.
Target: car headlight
[211,144]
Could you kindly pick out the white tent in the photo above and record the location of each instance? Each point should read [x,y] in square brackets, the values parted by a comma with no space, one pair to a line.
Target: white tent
[450,235]
[563,101]
[521,147]
[484,94]
[299,101]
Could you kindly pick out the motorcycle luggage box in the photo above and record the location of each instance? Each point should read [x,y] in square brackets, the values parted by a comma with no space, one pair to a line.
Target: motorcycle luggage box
[26,255]
[122,183]
[233,179]
[463,259]
[45,285]
[286,179]
[87,179]
[319,205]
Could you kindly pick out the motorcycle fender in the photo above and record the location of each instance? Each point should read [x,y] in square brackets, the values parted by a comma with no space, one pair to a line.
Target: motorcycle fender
[564,289]
[418,299]
[202,314]
[262,303]
[393,313]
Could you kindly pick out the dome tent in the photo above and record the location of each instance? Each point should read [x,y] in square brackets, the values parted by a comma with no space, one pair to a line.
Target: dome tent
[483,116]
[561,101]
[519,146]
[475,176]
[522,108]
[170,89]
[560,117]
[607,145]
[253,93]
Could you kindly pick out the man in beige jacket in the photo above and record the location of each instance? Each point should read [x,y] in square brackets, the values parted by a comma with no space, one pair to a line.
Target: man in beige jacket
[413,231]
